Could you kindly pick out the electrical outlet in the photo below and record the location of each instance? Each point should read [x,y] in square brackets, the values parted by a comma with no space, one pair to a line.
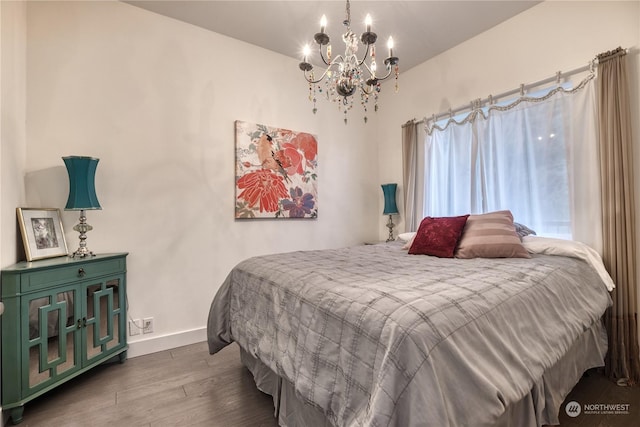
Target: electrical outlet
[135,327]
[147,325]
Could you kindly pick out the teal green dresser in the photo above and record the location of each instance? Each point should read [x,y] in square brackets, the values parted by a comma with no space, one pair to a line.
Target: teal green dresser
[63,316]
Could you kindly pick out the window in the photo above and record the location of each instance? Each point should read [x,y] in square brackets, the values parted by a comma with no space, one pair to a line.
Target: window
[535,157]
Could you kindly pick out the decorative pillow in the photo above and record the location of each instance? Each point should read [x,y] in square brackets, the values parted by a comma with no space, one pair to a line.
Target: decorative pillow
[523,230]
[438,236]
[491,235]
[409,243]
[405,237]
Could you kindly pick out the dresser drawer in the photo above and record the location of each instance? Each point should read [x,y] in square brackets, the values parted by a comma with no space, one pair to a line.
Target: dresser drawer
[70,273]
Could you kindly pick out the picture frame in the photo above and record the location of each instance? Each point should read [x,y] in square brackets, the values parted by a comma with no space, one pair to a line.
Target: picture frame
[276,173]
[42,233]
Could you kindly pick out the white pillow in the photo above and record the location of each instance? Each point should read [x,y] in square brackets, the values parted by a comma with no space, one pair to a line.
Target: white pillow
[570,248]
[405,237]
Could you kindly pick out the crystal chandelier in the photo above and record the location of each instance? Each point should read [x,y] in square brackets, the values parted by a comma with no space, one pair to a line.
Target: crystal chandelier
[344,76]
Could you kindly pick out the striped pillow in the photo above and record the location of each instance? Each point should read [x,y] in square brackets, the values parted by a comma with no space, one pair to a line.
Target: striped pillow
[491,235]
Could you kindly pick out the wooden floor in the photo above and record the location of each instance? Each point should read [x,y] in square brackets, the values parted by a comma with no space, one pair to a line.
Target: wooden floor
[180,387]
[188,387]
[593,392]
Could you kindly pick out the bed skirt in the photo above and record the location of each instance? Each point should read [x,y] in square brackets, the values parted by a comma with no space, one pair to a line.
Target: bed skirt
[539,407]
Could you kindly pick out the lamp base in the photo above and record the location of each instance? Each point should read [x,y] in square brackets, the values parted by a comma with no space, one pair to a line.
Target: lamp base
[390,226]
[82,228]
[82,253]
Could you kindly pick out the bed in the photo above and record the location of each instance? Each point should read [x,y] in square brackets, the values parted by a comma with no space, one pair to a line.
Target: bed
[374,336]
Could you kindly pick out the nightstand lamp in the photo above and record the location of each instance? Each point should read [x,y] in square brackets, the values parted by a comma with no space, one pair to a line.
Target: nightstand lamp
[390,208]
[82,195]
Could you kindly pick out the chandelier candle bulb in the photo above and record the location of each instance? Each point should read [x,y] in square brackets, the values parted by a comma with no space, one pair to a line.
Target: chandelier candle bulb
[390,46]
[323,23]
[367,22]
[305,52]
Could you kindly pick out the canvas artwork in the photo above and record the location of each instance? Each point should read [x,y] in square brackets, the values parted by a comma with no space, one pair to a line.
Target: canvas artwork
[276,172]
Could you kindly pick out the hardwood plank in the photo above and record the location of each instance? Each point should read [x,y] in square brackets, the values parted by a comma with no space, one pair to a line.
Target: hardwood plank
[163,380]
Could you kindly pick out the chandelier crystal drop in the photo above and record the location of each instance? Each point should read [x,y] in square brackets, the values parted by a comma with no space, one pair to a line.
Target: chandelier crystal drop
[347,75]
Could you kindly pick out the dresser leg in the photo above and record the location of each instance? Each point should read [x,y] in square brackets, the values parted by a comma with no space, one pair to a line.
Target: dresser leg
[16,414]
[122,357]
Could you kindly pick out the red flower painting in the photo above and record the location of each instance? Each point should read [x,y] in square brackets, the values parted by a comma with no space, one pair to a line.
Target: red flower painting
[276,172]
[263,189]
[306,143]
[293,158]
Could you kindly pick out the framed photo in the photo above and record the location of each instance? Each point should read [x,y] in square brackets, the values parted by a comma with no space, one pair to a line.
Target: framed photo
[42,233]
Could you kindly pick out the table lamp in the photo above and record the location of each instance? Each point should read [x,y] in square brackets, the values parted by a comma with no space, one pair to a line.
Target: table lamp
[82,195]
[390,208]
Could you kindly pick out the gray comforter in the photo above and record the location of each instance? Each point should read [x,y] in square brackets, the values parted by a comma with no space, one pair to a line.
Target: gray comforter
[372,336]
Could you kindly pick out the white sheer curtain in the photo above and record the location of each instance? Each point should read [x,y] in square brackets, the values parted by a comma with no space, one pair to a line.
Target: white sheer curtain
[537,157]
[451,172]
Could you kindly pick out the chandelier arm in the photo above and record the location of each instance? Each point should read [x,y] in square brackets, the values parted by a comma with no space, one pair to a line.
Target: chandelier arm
[318,80]
[371,73]
[324,74]
[389,71]
[323,59]
[366,92]
[364,58]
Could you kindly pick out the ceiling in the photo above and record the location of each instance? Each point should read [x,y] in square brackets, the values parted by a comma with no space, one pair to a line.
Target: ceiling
[420,29]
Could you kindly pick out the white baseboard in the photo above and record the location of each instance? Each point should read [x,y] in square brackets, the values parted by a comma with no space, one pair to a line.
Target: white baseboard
[166,342]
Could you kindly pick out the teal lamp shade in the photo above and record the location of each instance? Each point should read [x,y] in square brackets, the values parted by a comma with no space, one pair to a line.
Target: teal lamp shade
[389,191]
[82,195]
[82,188]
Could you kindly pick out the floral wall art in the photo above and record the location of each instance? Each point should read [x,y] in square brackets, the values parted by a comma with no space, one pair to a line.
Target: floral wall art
[276,172]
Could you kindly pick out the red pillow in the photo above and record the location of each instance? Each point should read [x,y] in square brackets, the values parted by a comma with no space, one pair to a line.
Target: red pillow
[438,236]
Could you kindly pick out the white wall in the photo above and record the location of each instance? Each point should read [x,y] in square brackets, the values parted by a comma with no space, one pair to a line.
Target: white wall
[552,36]
[12,127]
[156,99]
[12,123]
